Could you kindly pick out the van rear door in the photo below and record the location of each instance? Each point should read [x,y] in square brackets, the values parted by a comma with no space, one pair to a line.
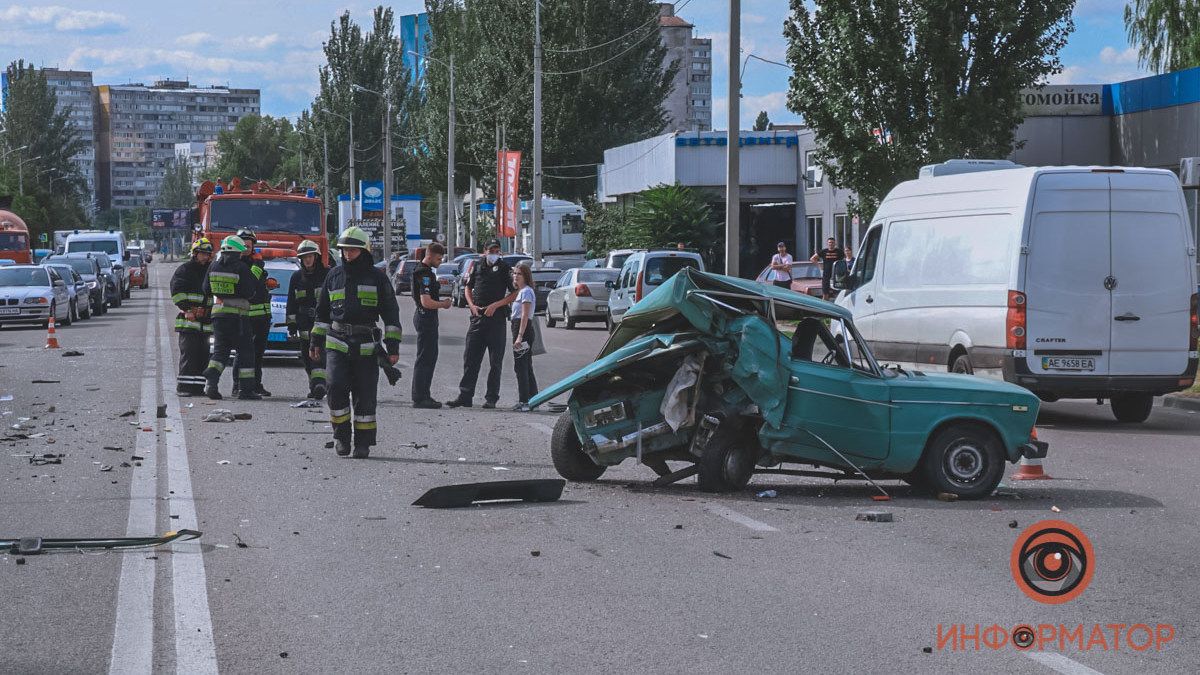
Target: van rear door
[1152,268]
[1068,308]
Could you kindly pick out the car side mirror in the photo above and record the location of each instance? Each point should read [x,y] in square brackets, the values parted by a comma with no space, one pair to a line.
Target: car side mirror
[59,283]
[610,285]
[844,282]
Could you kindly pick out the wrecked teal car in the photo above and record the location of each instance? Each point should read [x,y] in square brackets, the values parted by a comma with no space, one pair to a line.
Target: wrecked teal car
[703,371]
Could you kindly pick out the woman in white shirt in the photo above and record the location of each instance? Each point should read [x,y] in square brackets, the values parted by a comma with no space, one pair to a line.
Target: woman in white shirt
[781,267]
[524,330]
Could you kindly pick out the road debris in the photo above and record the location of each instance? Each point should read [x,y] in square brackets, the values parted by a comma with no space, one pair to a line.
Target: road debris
[722,555]
[45,381]
[106,467]
[225,415]
[48,458]
[128,413]
[875,516]
[307,403]
[947,497]
[33,545]
[1055,509]
[1012,524]
[71,352]
[161,413]
[767,494]
[223,462]
[451,496]
[535,553]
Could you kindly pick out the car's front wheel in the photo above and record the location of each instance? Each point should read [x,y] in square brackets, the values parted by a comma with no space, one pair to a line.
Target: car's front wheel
[550,320]
[965,460]
[566,451]
[727,462]
[1132,408]
[72,314]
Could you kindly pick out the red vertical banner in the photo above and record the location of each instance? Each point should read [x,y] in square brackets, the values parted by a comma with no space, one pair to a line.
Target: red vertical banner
[508,208]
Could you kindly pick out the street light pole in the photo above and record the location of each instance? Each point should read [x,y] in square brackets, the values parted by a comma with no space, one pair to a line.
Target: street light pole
[21,173]
[535,221]
[23,147]
[386,230]
[733,189]
[451,219]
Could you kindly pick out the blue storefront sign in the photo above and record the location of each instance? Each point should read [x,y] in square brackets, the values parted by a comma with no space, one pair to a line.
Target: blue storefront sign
[372,195]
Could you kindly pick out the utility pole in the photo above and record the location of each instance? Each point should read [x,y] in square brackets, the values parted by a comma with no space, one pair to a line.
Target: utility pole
[451,220]
[473,219]
[325,189]
[535,220]
[387,178]
[354,211]
[733,188]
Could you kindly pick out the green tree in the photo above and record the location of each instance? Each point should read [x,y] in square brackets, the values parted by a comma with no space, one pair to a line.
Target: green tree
[762,122]
[604,229]
[666,215]
[177,191]
[1166,32]
[251,150]
[941,76]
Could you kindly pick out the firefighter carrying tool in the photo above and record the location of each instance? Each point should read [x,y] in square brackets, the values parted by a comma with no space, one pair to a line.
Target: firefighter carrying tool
[355,297]
[306,282]
[231,284]
[192,323]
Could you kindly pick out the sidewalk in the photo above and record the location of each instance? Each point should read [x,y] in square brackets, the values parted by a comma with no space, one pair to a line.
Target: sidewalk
[1182,402]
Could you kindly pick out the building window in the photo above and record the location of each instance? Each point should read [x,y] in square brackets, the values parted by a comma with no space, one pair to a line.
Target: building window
[815,224]
[813,175]
[843,230]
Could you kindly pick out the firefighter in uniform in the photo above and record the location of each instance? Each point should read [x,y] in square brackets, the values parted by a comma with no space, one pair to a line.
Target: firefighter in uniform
[426,293]
[259,316]
[192,324]
[231,285]
[353,299]
[301,308]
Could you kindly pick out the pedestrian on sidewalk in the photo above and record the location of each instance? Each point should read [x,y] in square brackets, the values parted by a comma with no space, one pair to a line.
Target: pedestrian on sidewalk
[305,283]
[781,267]
[489,292]
[192,322]
[427,296]
[525,335]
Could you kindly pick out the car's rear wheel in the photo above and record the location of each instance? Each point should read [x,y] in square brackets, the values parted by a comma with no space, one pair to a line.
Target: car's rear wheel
[1132,408]
[965,460]
[550,320]
[567,320]
[609,324]
[566,451]
[962,364]
[71,314]
[727,462]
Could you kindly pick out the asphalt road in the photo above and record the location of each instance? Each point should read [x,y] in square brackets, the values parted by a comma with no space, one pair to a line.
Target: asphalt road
[314,563]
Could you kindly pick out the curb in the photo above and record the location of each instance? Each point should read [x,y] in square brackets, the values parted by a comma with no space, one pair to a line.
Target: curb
[1182,402]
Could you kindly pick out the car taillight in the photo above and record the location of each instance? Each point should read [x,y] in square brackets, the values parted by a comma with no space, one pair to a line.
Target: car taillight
[1014,325]
[638,294]
[1194,333]
[582,291]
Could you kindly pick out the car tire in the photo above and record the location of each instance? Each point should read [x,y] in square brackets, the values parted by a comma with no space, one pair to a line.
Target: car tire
[965,460]
[117,300]
[128,292]
[566,451]
[1131,408]
[962,365]
[550,320]
[608,323]
[567,320]
[727,462]
[71,314]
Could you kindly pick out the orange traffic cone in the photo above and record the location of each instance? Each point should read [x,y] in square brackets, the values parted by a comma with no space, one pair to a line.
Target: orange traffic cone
[1030,469]
[51,338]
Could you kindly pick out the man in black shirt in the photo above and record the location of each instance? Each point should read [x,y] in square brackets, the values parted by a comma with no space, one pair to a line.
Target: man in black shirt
[828,257]
[427,296]
[489,292]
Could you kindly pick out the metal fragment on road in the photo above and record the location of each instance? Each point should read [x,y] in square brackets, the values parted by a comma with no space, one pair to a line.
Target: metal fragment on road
[875,516]
[465,494]
[307,403]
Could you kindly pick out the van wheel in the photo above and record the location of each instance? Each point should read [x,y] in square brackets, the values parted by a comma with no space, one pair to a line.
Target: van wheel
[962,365]
[727,463]
[566,451]
[1132,408]
[964,460]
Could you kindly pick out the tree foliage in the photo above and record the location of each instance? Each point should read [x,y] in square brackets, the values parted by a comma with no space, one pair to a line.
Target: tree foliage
[1166,32]
[943,76]
[762,122]
[251,150]
[661,217]
[177,191]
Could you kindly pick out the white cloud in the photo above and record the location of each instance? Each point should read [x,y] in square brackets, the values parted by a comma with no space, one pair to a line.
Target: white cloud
[58,18]
[1069,75]
[1111,56]
[258,42]
[192,40]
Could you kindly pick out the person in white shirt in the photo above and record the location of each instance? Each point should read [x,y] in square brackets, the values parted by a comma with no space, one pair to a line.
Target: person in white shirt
[524,331]
[781,267]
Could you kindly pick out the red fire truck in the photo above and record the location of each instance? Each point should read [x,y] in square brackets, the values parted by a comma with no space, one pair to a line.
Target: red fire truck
[282,217]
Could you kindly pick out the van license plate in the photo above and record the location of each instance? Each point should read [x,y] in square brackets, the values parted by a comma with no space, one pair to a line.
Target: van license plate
[1077,363]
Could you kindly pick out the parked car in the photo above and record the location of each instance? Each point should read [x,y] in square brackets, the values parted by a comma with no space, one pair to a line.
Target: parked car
[402,281]
[445,276]
[463,262]
[89,269]
[699,372]
[642,273]
[545,280]
[616,258]
[32,294]
[77,289]
[112,277]
[580,295]
[279,277]
[1030,274]
[112,243]
[806,278]
[139,275]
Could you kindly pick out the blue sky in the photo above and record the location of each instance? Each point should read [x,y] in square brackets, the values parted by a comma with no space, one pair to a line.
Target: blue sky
[275,45]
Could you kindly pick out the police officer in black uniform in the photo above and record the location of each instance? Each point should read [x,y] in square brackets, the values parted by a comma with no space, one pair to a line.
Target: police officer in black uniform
[259,316]
[306,282]
[231,285]
[192,323]
[354,298]
[489,292]
[427,295]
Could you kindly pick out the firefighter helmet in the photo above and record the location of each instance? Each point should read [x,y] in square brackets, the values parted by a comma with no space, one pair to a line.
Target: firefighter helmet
[307,247]
[233,243]
[247,234]
[202,245]
[354,237]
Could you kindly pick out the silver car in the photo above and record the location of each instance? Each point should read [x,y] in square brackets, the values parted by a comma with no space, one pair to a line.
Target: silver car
[31,294]
[77,288]
[580,295]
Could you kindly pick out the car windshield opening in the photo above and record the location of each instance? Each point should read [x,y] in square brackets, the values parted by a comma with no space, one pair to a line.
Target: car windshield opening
[108,246]
[659,270]
[24,276]
[265,215]
[13,241]
[81,266]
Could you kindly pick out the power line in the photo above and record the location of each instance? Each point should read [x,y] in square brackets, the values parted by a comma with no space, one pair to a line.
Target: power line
[616,39]
[618,168]
[604,62]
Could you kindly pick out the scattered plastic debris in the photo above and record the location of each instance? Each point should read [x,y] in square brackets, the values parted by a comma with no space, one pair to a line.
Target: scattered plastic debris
[307,403]
[450,496]
[499,468]
[106,467]
[1055,509]
[45,381]
[224,415]
[1012,524]
[947,497]
[722,555]
[536,554]
[128,413]
[161,413]
[767,494]
[374,517]
[875,516]
[71,352]
[223,462]
[48,458]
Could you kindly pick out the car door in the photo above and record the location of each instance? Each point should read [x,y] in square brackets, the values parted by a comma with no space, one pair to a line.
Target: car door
[860,299]
[622,297]
[843,404]
[557,298]
[62,296]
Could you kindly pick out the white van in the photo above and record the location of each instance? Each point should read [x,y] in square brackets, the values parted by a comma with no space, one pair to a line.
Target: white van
[111,243]
[642,272]
[1073,282]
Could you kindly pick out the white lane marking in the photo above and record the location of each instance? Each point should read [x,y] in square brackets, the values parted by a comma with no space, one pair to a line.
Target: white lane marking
[731,515]
[133,632]
[195,651]
[544,428]
[1061,664]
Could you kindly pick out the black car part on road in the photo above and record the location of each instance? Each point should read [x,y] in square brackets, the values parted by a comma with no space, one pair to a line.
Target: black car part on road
[35,545]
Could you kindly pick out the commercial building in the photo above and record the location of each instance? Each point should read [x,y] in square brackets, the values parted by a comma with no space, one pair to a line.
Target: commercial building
[1151,122]
[137,127]
[689,105]
[73,89]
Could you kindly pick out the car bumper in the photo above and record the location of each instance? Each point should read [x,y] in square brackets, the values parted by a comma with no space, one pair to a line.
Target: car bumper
[1033,449]
[588,308]
[27,315]
[1095,386]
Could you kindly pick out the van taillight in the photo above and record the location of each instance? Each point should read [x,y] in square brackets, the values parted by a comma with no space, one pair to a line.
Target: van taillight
[1014,325]
[582,291]
[1195,332]
[638,293]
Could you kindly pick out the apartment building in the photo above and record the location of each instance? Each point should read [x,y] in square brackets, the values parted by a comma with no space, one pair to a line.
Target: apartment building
[73,89]
[689,105]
